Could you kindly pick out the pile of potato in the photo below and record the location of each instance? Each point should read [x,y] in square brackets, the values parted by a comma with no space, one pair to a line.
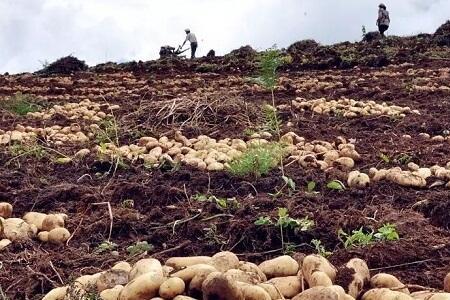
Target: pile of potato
[46,227]
[312,84]
[86,110]
[349,108]
[426,136]
[223,276]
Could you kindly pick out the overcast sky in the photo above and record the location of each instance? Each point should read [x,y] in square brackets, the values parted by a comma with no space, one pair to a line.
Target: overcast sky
[35,31]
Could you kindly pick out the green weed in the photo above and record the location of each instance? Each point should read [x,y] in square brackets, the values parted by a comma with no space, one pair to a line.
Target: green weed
[320,249]
[139,247]
[387,232]
[19,104]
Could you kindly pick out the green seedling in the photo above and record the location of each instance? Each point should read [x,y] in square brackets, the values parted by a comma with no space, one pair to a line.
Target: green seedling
[139,247]
[105,247]
[320,249]
[336,185]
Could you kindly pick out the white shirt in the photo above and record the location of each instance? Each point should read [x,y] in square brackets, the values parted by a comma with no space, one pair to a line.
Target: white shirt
[191,38]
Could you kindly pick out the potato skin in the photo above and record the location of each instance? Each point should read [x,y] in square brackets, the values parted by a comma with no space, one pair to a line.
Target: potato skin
[440,296]
[217,286]
[122,265]
[181,262]
[172,287]
[320,279]
[144,266]
[111,279]
[313,263]
[385,294]
[252,268]
[190,272]
[271,290]
[224,261]
[317,293]
[52,221]
[58,235]
[253,292]
[35,218]
[288,286]
[144,286]
[447,283]
[383,280]
[281,266]
[111,294]
[56,294]
[15,229]
[6,210]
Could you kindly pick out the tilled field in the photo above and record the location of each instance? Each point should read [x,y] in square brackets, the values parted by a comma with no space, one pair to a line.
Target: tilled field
[155,149]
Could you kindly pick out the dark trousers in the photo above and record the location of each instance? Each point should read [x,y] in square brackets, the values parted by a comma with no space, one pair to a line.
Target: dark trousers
[193,49]
[382,29]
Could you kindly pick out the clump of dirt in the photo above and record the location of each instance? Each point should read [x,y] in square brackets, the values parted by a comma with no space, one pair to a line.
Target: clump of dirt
[307,46]
[65,66]
[246,52]
[372,36]
[442,34]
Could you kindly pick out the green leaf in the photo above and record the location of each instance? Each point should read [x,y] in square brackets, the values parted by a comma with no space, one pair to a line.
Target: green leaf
[336,185]
[222,203]
[385,158]
[139,247]
[289,182]
[311,186]
[263,221]
[282,212]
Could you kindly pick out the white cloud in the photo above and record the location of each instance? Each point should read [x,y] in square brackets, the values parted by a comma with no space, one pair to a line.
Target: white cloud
[118,30]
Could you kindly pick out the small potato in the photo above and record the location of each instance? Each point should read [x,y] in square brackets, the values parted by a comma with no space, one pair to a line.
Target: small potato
[181,262]
[385,294]
[288,286]
[172,287]
[52,221]
[58,235]
[15,229]
[189,272]
[4,243]
[384,280]
[447,283]
[224,261]
[145,266]
[144,286]
[253,292]
[112,278]
[281,266]
[122,265]
[218,286]
[43,236]
[56,294]
[320,279]
[314,263]
[111,294]
[6,210]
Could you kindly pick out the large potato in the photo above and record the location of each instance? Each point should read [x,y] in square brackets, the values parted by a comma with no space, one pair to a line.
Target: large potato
[172,287]
[389,281]
[385,294]
[181,262]
[279,267]
[360,277]
[111,294]
[56,294]
[122,265]
[52,221]
[320,278]
[313,263]
[15,229]
[252,268]
[217,286]
[142,287]
[271,290]
[189,272]
[35,218]
[289,286]
[112,278]
[253,292]
[6,210]
[224,261]
[145,265]
[247,277]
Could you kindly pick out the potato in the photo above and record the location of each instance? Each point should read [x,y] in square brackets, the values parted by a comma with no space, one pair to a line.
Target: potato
[440,296]
[111,294]
[144,286]
[217,286]
[348,297]
[58,235]
[313,263]
[253,292]
[224,261]
[319,278]
[358,180]
[52,221]
[122,265]
[385,294]
[87,281]
[346,163]
[146,265]
[271,290]
[195,286]
[252,268]
[281,266]
[360,278]
[447,283]
[189,272]
[4,243]
[317,293]
[181,262]
[15,229]
[112,278]
[43,236]
[288,286]
[56,294]
[181,297]
[167,270]
[6,210]
[422,295]
[384,280]
[172,287]
[242,276]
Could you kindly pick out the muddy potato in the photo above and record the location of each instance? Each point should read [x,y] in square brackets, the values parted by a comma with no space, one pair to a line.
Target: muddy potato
[317,293]
[288,286]
[358,180]
[422,295]
[320,279]
[172,287]
[52,221]
[56,294]
[279,267]
[253,292]
[15,229]
[6,210]
[112,278]
[122,265]
[4,243]
[181,262]
[58,235]
[217,286]
[385,294]
[271,290]
[189,272]
[447,283]
[111,294]
[35,218]
[224,261]
[195,285]
[167,270]
[242,276]
[360,277]
[146,265]
[314,263]
[43,236]
[181,297]
[252,268]
[384,280]
[144,286]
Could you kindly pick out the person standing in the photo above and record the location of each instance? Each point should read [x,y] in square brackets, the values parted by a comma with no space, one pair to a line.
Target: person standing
[383,20]
[193,40]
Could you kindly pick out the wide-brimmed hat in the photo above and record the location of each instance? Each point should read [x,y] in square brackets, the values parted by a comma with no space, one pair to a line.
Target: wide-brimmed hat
[382,6]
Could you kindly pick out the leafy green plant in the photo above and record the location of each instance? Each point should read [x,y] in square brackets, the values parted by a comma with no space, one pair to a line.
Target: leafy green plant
[336,185]
[320,249]
[222,203]
[108,131]
[28,150]
[385,158]
[311,186]
[19,104]
[257,160]
[387,232]
[403,159]
[212,236]
[271,121]
[105,247]
[356,238]
[139,247]
[287,222]
[128,203]
[264,221]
